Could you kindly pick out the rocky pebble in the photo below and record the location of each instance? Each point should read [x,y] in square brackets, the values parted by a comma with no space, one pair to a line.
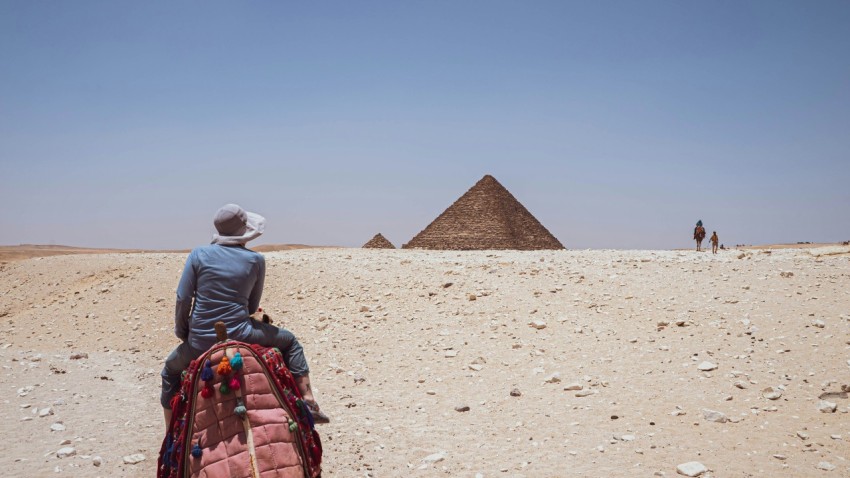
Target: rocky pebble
[707,366]
[691,468]
[134,458]
[432,459]
[771,393]
[714,416]
[66,452]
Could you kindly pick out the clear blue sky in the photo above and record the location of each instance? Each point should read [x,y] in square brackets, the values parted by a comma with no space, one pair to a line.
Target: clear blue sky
[617,124]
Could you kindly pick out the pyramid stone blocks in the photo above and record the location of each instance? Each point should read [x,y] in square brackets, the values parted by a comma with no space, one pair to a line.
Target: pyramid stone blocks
[378,242]
[485,217]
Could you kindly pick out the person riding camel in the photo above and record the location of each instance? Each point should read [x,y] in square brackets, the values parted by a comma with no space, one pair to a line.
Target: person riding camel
[699,234]
[223,281]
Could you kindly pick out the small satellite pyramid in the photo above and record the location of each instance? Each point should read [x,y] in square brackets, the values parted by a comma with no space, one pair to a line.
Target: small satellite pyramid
[486,217]
[378,242]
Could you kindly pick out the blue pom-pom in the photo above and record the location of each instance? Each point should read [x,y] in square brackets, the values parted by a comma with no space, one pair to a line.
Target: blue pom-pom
[196,451]
[207,372]
[236,362]
[240,410]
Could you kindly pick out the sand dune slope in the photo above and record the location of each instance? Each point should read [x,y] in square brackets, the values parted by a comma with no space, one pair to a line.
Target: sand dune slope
[558,363]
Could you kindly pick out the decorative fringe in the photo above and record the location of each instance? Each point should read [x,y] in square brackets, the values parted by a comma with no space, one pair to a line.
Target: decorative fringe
[207,373]
[224,389]
[305,410]
[224,366]
[207,391]
[169,448]
[234,383]
[196,451]
[236,363]
[240,408]
[293,426]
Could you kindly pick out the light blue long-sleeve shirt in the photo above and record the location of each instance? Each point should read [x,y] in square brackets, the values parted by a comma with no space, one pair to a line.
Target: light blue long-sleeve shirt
[219,283]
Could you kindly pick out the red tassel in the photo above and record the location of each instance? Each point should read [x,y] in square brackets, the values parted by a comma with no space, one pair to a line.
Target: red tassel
[234,383]
[207,392]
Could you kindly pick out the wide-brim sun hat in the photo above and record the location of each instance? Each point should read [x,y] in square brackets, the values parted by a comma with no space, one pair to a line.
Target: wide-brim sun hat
[236,225]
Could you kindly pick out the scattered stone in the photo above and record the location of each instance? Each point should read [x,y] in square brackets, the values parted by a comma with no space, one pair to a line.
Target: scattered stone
[476,367]
[707,366]
[134,458]
[780,457]
[628,438]
[826,466]
[57,427]
[472,297]
[819,323]
[79,355]
[515,392]
[45,412]
[803,435]
[771,393]
[66,452]
[740,384]
[574,386]
[97,461]
[462,408]
[431,459]
[714,416]
[584,393]
[451,353]
[827,407]
[691,468]
[553,378]
[538,324]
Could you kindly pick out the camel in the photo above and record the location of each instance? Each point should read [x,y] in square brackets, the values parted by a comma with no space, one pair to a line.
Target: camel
[699,235]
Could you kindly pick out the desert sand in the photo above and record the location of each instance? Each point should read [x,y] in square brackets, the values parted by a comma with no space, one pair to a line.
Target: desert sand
[493,364]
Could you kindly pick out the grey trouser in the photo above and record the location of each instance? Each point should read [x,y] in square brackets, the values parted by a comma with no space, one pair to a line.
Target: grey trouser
[263,334]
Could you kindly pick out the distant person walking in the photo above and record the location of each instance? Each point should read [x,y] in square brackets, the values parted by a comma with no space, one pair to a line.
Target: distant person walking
[714,241]
[699,234]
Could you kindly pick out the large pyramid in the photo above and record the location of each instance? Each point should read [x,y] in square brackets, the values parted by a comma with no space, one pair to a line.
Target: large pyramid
[486,217]
[378,242]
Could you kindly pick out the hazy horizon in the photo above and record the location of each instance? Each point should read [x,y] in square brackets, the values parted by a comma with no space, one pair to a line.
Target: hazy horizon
[616,124]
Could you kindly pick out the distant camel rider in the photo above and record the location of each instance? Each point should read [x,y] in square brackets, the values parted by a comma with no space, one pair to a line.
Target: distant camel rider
[699,234]
[224,281]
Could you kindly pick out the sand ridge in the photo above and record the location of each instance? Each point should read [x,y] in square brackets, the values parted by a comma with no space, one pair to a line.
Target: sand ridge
[603,350]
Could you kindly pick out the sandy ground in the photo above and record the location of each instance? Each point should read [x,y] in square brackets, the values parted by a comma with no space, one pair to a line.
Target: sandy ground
[396,344]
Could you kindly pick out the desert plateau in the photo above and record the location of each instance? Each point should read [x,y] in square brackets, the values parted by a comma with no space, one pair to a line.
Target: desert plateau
[480,364]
